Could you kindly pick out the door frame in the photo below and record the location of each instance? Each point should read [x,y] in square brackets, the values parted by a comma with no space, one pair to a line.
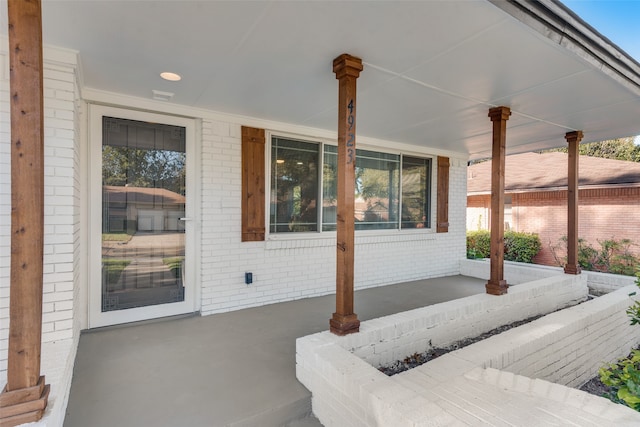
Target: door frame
[97,318]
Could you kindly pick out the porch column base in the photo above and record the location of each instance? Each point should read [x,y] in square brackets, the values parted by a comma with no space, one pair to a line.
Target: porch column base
[497,288]
[24,405]
[572,269]
[340,324]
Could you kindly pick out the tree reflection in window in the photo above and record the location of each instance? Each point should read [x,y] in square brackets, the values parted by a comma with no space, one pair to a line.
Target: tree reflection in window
[294,186]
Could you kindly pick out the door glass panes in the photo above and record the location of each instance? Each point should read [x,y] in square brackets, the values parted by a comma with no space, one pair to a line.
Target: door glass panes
[143,206]
[294,186]
[376,190]
[415,192]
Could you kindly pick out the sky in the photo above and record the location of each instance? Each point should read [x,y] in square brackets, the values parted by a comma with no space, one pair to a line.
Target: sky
[618,20]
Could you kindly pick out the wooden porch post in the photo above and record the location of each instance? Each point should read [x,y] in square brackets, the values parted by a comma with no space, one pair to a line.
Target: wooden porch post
[572,267]
[347,69]
[25,396]
[496,284]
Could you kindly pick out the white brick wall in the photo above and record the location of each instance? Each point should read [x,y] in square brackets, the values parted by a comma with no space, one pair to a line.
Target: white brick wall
[441,325]
[61,202]
[286,268]
[603,283]
[517,272]
[62,195]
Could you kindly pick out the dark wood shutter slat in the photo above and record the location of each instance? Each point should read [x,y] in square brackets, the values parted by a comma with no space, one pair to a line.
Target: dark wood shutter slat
[442,220]
[253,184]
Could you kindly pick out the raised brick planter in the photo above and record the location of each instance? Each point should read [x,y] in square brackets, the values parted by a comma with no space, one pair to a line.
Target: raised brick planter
[487,382]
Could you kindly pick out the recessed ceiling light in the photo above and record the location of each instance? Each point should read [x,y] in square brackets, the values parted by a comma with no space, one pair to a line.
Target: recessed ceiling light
[172,77]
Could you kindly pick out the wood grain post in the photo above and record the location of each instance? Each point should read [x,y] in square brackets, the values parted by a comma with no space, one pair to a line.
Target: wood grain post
[347,69]
[25,396]
[496,284]
[253,184]
[572,267]
[442,195]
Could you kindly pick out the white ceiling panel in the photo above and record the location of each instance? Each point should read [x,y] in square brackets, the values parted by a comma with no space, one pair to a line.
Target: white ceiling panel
[579,92]
[497,63]
[432,71]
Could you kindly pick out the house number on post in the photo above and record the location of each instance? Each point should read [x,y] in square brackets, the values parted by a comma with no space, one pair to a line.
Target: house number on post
[350,143]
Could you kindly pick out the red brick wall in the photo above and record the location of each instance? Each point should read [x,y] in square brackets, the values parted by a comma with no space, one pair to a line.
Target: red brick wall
[603,214]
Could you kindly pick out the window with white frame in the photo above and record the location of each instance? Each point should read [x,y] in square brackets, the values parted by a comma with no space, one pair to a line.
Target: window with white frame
[392,191]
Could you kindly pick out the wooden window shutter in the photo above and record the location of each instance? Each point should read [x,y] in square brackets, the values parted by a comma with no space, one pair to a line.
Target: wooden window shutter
[253,184]
[442,215]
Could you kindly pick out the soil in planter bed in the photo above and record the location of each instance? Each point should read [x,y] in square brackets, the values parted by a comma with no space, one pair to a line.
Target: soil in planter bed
[593,386]
[418,359]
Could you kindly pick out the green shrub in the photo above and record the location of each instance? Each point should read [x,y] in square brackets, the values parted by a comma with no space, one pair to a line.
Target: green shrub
[634,311]
[624,379]
[520,247]
[478,244]
[624,376]
[614,256]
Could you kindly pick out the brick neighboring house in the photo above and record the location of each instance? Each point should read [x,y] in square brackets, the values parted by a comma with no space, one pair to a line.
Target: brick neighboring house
[536,199]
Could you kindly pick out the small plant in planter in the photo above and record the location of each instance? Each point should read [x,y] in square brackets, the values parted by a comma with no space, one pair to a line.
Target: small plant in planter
[634,311]
[623,377]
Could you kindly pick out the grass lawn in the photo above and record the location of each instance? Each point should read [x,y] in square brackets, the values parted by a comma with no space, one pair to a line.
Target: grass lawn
[116,237]
[174,264]
[113,268]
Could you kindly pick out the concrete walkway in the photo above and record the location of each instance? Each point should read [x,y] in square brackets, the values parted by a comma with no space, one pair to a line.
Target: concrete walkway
[232,369]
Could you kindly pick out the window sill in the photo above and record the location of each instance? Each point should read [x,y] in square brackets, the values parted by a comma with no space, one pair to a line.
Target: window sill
[362,237]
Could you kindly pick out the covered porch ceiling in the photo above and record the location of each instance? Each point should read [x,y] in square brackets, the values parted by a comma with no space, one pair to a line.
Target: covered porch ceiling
[432,69]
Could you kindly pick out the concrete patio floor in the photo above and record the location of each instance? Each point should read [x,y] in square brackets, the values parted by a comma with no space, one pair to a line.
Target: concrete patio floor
[232,369]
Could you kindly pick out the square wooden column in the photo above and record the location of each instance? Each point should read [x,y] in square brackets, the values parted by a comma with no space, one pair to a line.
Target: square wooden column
[572,267]
[496,284]
[25,396]
[347,69]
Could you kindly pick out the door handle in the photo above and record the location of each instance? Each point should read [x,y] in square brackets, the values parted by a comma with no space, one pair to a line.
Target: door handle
[185,219]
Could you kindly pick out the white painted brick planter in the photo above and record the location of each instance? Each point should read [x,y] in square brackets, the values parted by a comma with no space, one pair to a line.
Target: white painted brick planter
[512,378]
[517,272]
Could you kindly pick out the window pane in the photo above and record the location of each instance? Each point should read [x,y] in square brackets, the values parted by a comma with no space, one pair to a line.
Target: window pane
[294,186]
[415,192]
[329,188]
[376,190]
[377,186]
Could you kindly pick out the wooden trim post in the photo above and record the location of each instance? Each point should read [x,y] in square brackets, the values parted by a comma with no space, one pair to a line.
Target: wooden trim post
[253,184]
[572,267]
[347,69]
[442,204]
[24,398]
[496,284]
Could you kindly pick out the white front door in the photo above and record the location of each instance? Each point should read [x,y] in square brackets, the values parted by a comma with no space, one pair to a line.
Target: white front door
[141,211]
